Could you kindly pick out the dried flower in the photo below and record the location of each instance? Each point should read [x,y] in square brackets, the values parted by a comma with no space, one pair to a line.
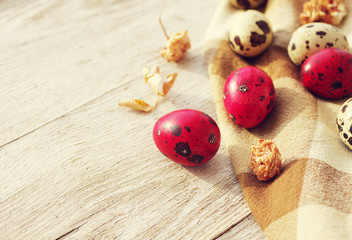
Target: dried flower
[153,78]
[177,45]
[327,11]
[265,160]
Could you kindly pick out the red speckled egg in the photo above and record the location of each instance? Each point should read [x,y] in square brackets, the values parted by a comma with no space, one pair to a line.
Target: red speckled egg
[328,73]
[188,137]
[249,96]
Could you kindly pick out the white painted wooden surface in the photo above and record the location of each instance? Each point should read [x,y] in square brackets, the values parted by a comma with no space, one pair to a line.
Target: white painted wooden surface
[74,165]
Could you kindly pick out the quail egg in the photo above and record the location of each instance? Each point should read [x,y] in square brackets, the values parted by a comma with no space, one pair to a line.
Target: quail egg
[187,136]
[328,73]
[313,37]
[344,123]
[246,4]
[250,33]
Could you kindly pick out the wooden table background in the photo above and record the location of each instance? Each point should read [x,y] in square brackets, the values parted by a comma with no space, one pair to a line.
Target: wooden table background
[74,165]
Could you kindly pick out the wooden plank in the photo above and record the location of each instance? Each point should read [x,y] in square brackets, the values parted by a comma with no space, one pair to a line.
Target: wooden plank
[97,171]
[58,55]
[246,229]
[74,165]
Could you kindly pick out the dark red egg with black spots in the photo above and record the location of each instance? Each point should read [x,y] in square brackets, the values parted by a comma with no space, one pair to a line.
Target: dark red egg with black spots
[188,137]
[328,73]
[249,96]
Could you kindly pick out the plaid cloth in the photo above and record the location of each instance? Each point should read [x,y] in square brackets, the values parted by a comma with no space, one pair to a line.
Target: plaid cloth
[312,196]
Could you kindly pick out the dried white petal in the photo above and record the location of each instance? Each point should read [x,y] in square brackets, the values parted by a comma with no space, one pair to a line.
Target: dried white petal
[153,78]
[137,104]
[167,85]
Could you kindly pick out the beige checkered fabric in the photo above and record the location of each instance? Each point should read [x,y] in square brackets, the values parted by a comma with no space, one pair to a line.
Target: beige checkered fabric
[312,196]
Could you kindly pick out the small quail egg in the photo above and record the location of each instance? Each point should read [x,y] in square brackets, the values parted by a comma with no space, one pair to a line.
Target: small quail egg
[246,4]
[344,123]
[187,136]
[328,73]
[250,33]
[313,37]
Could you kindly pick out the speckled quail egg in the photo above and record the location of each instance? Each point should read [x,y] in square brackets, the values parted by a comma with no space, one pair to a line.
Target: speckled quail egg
[313,37]
[344,123]
[187,136]
[250,33]
[246,4]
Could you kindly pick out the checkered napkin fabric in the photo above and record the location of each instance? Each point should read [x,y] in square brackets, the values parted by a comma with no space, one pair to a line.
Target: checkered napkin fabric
[312,196]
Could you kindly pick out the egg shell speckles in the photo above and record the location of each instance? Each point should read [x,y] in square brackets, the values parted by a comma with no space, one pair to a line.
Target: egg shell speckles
[250,33]
[249,96]
[313,37]
[246,4]
[328,73]
[344,123]
[188,137]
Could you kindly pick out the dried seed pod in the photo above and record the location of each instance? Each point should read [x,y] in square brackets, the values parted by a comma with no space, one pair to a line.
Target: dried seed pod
[327,11]
[177,45]
[265,160]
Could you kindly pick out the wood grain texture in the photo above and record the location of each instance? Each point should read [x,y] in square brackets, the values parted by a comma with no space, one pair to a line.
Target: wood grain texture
[76,166]
[246,229]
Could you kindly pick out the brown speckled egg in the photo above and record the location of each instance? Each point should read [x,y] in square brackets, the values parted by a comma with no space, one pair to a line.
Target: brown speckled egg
[313,37]
[250,33]
[246,4]
[344,123]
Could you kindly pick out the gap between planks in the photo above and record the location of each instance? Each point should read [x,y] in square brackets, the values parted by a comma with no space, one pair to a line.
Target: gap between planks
[215,238]
[63,115]
[80,106]
[232,226]
[69,232]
